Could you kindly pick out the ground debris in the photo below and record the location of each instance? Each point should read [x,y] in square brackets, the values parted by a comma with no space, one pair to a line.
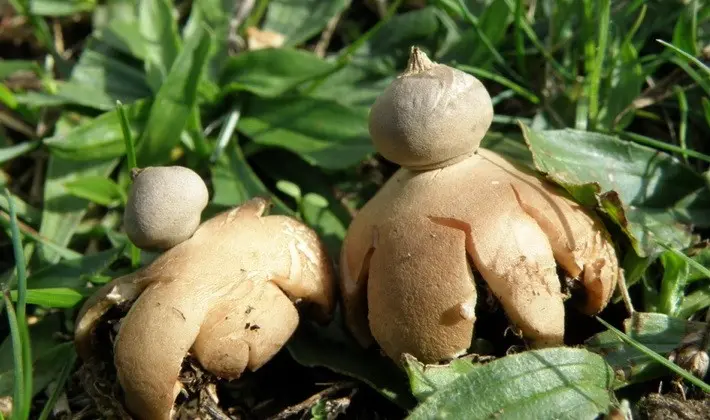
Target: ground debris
[673,407]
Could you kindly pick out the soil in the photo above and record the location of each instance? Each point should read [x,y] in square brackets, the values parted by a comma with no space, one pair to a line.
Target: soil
[674,407]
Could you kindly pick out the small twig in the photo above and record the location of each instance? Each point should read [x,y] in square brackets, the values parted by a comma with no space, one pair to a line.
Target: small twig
[381,7]
[16,124]
[241,11]
[624,291]
[58,36]
[654,93]
[327,35]
[312,400]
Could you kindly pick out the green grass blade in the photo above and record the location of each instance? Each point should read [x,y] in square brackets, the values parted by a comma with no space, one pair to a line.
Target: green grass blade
[538,44]
[694,302]
[657,357]
[485,74]
[673,282]
[61,381]
[347,54]
[21,409]
[486,42]
[683,123]
[518,36]
[19,259]
[684,54]
[638,138]
[19,314]
[132,163]
[596,75]
[635,27]
[691,262]
[127,137]
[63,252]
[226,133]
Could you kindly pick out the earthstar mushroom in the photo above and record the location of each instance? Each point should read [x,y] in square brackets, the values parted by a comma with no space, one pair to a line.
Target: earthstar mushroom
[455,211]
[226,295]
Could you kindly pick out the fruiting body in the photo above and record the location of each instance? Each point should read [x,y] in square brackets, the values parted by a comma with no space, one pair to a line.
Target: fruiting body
[164,206]
[226,295]
[406,279]
[449,106]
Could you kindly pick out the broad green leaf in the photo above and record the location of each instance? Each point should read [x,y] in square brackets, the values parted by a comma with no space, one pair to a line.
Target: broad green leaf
[69,93]
[659,332]
[424,380]
[375,64]
[157,25]
[60,7]
[494,21]
[695,301]
[47,352]
[355,85]
[509,145]
[11,152]
[272,71]
[63,212]
[235,182]
[675,277]
[8,67]
[100,190]
[115,10]
[323,133]
[555,383]
[174,102]
[624,85]
[121,35]
[25,212]
[299,20]
[701,256]
[73,273]
[7,97]
[100,69]
[388,50]
[686,28]
[100,138]
[56,297]
[627,181]
[216,15]
[329,347]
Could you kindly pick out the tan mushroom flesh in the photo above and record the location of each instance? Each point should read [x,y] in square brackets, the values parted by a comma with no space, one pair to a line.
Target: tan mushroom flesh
[454,211]
[226,295]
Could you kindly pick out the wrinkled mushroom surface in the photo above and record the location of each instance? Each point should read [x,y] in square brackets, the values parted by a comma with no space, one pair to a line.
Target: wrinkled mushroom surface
[226,294]
[411,253]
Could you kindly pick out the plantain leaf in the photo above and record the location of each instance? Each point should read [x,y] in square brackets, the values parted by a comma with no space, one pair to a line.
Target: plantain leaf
[424,380]
[174,101]
[324,133]
[559,383]
[98,189]
[272,71]
[627,181]
[73,273]
[298,20]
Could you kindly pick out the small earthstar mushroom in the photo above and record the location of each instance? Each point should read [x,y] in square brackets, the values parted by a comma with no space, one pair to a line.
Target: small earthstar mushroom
[453,212]
[226,295]
[164,206]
